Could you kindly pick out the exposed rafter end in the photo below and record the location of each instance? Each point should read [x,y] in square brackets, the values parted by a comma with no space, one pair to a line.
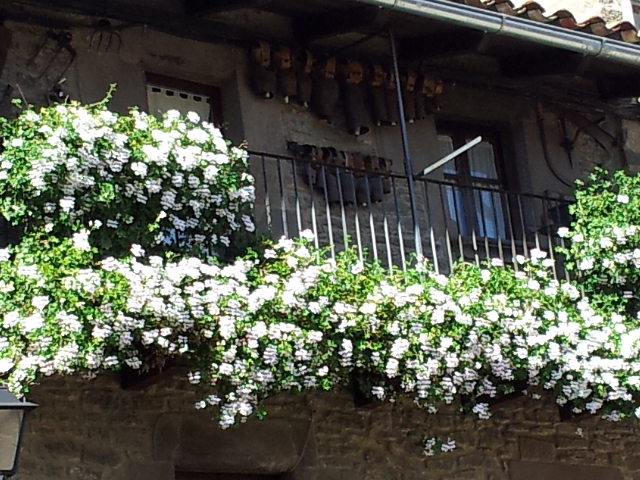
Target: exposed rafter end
[445,45]
[612,87]
[207,7]
[545,63]
[310,28]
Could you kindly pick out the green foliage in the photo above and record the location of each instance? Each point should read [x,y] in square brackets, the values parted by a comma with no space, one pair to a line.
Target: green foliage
[95,284]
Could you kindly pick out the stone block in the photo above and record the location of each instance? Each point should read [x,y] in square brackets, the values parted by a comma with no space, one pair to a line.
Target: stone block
[537,448]
[479,460]
[261,447]
[327,473]
[575,442]
[140,469]
[519,470]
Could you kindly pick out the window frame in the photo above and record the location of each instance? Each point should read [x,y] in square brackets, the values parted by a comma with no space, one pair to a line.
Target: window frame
[214,93]
[467,184]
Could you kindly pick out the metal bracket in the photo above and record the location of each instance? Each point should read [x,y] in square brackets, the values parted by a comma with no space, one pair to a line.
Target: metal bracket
[448,158]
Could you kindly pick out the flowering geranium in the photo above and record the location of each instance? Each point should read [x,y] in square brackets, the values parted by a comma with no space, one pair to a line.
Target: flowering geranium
[171,183]
[95,285]
[604,249]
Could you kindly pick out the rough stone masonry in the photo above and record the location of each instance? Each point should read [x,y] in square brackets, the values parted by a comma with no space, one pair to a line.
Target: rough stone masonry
[95,430]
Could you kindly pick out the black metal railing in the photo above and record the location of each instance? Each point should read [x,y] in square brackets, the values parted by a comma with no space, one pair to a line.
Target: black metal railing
[371,210]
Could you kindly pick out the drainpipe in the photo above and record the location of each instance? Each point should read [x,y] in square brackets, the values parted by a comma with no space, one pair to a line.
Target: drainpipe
[408,165]
[515,27]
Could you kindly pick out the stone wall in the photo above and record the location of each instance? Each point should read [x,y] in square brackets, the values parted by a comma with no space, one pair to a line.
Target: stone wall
[94,430]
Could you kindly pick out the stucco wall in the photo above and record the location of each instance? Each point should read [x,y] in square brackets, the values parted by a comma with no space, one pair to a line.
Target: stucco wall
[269,124]
[91,429]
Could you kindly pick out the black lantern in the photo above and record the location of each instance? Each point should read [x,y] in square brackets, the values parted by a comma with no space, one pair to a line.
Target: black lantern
[12,416]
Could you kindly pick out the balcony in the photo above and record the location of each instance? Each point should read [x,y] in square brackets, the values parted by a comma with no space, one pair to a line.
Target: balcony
[370,209]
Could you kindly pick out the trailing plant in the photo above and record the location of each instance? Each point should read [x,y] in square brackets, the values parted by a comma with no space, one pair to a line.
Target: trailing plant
[87,290]
[171,184]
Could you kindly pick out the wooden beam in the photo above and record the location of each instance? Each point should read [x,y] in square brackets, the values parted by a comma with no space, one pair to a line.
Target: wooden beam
[445,45]
[544,63]
[619,87]
[177,24]
[309,28]
[208,7]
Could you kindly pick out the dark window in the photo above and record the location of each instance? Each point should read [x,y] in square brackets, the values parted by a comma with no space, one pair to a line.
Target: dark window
[476,203]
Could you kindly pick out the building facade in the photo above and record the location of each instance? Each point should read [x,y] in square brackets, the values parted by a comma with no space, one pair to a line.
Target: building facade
[545,116]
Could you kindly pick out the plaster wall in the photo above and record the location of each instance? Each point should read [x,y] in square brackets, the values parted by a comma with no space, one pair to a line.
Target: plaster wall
[285,204]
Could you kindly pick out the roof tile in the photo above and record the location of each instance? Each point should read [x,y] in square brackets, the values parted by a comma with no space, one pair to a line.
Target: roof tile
[565,18]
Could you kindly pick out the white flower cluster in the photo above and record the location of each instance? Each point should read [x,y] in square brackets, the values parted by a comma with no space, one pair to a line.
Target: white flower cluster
[290,322]
[433,445]
[71,163]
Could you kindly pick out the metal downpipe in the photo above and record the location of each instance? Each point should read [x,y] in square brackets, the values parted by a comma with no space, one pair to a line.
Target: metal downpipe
[408,165]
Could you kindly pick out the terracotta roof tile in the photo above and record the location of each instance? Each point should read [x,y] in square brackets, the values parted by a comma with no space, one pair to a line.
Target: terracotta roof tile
[532,10]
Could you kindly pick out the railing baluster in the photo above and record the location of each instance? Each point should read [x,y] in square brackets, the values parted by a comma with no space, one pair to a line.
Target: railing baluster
[267,199]
[312,197]
[432,237]
[283,203]
[447,233]
[372,226]
[356,217]
[403,257]
[385,226]
[297,196]
[325,188]
[485,217]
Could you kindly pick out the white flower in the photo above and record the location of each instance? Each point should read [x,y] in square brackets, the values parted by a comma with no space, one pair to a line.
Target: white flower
[173,114]
[67,204]
[81,240]
[139,168]
[137,250]
[585,264]
[537,254]
[197,135]
[4,255]
[307,235]
[193,117]
[32,322]
[449,446]
[368,308]
[40,302]
[563,232]
[622,198]
[533,285]
[357,268]
[606,242]
[6,364]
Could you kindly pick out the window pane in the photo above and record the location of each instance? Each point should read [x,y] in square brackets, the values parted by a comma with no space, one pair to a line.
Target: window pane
[482,163]
[455,208]
[490,214]
[163,99]
[445,144]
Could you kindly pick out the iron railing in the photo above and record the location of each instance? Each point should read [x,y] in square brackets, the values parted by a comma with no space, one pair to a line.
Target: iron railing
[371,211]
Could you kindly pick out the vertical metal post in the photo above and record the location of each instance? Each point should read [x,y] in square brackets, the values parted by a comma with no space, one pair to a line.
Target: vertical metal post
[408,166]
